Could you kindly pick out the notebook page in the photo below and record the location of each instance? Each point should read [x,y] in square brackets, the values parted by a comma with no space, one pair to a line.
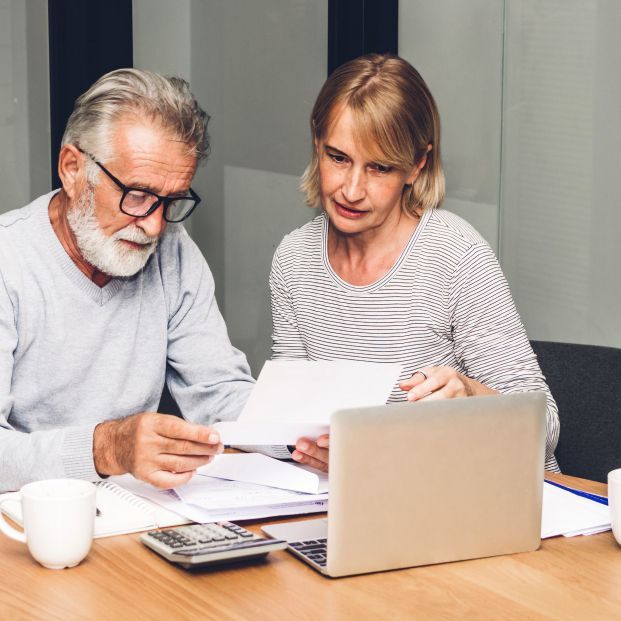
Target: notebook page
[120,511]
[133,490]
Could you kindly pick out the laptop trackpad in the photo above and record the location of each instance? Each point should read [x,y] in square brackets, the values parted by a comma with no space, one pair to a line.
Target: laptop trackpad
[304,530]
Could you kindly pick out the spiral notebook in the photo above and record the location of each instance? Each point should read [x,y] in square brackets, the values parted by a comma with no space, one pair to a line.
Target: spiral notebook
[118,512]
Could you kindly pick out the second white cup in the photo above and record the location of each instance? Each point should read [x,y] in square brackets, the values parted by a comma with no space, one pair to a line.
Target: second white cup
[614,502]
[59,519]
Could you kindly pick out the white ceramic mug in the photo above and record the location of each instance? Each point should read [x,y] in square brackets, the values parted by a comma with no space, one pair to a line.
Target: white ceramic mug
[614,502]
[59,520]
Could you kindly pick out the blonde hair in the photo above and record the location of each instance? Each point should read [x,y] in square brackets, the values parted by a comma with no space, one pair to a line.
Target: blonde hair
[395,117]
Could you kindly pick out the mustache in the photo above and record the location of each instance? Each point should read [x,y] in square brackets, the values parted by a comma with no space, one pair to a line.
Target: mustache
[135,234]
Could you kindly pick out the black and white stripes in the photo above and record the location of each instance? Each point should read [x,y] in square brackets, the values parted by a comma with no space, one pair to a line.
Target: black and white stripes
[444,302]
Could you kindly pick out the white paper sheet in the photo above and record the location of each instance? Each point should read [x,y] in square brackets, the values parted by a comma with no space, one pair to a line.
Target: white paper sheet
[309,391]
[567,514]
[277,451]
[295,398]
[218,494]
[263,470]
[171,501]
[238,433]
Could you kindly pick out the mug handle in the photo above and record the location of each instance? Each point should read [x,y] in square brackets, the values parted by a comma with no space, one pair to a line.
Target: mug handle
[9,531]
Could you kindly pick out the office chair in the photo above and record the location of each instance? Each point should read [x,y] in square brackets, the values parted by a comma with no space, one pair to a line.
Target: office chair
[585,380]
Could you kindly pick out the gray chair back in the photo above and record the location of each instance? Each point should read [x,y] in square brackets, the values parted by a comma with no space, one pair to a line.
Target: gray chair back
[585,380]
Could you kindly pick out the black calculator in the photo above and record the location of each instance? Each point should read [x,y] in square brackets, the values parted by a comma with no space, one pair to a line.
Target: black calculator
[202,545]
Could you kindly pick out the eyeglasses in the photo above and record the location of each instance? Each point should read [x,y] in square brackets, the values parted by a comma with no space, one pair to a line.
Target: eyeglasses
[140,203]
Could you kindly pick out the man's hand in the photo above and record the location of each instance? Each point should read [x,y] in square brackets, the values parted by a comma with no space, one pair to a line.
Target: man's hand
[157,448]
[313,454]
[430,383]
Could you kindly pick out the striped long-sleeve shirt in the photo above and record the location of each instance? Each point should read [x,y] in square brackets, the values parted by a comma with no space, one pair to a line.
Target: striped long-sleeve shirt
[445,302]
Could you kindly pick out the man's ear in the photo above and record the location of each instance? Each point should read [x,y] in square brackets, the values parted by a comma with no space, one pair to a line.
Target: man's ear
[72,170]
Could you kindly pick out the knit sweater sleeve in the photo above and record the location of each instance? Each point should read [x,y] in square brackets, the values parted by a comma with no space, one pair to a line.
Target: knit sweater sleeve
[209,378]
[52,453]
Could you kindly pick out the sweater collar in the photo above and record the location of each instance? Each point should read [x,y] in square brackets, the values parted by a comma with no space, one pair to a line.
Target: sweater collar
[99,295]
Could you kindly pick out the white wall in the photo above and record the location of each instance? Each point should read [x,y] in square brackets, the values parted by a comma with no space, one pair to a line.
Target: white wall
[457,48]
[161,36]
[530,98]
[24,102]
[162,40]
[561,216]
[256,67]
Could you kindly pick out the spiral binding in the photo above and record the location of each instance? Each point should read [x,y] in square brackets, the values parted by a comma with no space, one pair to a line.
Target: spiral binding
[126,496]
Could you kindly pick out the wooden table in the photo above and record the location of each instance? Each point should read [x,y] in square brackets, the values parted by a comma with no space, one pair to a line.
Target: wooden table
[567,579]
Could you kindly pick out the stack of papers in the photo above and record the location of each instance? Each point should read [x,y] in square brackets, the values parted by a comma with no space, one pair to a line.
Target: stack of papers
[572,513]
[244,487]
[262,470]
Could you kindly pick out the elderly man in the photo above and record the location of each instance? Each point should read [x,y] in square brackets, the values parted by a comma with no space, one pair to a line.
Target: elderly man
[103,298]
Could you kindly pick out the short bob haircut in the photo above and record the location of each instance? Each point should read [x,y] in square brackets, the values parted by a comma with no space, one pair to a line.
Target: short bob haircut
[396,119]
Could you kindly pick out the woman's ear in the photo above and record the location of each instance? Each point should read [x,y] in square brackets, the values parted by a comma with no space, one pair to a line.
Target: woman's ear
[418,167]
[71,170]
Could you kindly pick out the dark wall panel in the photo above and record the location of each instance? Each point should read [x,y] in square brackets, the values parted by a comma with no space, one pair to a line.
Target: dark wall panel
[357,27]
[87,39]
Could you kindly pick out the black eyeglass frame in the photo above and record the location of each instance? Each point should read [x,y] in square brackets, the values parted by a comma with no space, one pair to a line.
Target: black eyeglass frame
[161,200]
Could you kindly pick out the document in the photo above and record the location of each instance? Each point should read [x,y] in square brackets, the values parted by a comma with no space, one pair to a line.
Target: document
[208,499]
[273,437]
[217,494]
[567,514]
[120,511]
[263,470]
[295,398]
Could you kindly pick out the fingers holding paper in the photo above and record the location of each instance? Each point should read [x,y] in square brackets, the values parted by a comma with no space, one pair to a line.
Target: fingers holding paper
[313,453]
[157,448]
[431,383]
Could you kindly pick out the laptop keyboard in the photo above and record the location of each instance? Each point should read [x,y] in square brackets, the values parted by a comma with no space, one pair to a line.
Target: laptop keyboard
[315,550]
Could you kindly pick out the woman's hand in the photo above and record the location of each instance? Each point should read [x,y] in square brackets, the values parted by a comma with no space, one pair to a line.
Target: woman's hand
[430,383]
[314,454]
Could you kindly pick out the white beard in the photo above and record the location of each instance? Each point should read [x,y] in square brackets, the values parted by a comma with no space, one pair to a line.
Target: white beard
[108,254]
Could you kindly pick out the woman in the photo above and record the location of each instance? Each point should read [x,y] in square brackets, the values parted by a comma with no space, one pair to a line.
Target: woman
[383,275]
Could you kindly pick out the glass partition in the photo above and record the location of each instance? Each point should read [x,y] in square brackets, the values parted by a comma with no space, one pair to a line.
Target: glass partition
[24,102]
[529,95]
[256,67]
[457,48]
[560,170]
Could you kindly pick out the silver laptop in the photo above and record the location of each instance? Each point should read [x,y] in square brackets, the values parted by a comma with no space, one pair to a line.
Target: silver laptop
[421,483]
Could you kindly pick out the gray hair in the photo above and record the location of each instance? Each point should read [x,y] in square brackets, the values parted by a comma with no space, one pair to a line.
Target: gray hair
[167,101]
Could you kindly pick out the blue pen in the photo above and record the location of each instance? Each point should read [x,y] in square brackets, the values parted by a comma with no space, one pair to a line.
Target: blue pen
[602,500]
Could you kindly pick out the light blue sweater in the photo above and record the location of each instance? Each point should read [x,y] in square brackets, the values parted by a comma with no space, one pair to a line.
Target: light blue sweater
[73,354]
